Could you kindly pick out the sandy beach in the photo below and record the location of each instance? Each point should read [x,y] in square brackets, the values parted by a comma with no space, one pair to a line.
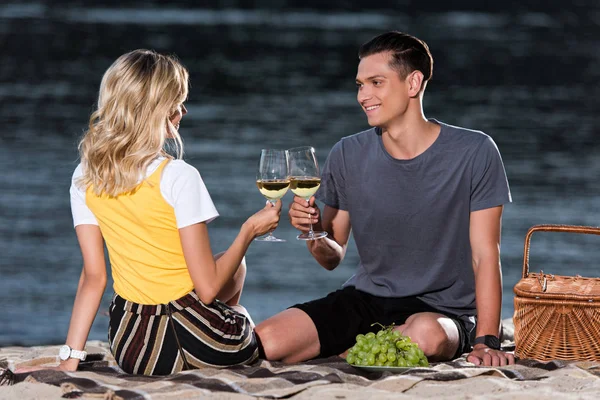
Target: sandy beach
[330,378]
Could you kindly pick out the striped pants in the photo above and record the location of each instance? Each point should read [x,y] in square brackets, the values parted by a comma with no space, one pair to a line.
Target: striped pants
[182,334]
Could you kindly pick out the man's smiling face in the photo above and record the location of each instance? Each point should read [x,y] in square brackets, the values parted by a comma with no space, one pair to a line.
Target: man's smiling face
[382,93]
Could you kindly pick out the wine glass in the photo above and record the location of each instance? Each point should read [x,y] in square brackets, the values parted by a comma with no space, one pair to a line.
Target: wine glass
[305,180]
[272,180]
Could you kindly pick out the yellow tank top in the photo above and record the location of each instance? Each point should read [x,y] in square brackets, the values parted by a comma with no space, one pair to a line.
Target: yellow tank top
[141,235]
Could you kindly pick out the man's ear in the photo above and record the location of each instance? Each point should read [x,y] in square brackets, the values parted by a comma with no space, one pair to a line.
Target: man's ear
[415,83]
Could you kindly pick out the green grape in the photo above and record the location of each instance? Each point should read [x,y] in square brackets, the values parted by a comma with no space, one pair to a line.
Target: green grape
[371,359]
[413,359]
[375,349]
[412,355]
[386,347]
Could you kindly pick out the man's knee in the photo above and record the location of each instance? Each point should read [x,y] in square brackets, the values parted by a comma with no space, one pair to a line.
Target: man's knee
[436,335]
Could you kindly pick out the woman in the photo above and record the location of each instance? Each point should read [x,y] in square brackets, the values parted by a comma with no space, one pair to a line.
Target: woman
[175,305]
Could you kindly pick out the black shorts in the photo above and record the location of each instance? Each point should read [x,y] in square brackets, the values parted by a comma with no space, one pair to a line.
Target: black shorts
[345,313]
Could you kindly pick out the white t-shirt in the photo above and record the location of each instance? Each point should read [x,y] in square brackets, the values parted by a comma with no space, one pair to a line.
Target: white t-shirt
[181,186]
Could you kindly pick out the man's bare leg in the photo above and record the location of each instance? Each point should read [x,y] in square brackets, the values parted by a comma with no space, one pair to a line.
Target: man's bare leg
[290,336]
[436,334]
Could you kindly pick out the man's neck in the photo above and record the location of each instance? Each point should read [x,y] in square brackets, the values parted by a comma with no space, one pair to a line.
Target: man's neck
[407,138]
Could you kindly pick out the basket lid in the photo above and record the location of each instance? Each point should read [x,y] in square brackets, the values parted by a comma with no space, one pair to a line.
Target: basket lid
[558,287]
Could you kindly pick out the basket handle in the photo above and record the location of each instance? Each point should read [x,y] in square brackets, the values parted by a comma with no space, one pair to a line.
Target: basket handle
[552,228]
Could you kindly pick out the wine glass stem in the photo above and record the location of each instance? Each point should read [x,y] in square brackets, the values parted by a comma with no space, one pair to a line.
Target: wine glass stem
[273,202]
[310,232]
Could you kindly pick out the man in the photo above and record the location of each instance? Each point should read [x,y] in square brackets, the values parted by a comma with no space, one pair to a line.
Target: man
[424,200]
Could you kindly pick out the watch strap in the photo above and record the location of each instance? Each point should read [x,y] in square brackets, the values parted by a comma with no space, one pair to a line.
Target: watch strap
[79,354]
[490,341]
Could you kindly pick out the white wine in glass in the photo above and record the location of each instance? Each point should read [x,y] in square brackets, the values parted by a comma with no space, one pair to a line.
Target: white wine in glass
[305,180]
[272,180]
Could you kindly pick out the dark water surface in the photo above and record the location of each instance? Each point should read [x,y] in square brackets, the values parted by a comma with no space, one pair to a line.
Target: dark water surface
[283,78]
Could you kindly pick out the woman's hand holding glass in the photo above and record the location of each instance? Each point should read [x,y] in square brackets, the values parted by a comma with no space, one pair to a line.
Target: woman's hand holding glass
[265,220]
[273,182]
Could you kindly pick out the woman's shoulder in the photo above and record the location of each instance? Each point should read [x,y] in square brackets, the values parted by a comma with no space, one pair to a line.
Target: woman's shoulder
[180,168]
[77,173]
[78,170]
[178,173]
[181,180]
[76,184]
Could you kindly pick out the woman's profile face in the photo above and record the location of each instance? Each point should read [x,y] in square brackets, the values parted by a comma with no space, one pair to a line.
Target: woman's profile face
[177,116]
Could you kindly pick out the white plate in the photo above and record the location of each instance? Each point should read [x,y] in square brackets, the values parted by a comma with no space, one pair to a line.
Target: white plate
[393,370]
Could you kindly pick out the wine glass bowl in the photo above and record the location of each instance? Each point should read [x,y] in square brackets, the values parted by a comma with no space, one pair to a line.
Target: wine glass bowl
[305,186]
[274,189]
[272,180]
[305,180]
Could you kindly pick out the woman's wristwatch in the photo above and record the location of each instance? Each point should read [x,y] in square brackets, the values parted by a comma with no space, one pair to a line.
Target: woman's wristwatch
[490,341]
[67,352]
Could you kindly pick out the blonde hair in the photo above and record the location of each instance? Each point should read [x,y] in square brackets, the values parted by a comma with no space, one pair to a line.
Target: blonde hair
[138,94]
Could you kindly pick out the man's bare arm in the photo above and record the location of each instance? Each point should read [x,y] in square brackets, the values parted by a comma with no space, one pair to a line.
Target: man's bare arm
[330,250]
[485,228]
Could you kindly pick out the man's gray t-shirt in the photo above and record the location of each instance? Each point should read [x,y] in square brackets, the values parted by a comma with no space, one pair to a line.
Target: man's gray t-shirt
[410,218]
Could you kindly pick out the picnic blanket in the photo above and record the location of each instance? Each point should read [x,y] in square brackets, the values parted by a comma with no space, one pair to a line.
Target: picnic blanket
[100,377]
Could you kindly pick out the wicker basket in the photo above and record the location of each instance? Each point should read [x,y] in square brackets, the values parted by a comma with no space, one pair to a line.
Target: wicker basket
[557,317]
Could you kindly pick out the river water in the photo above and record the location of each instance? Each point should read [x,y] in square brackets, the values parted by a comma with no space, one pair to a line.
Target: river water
[284,77]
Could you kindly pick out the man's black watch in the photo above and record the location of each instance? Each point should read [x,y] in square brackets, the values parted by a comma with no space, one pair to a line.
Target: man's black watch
[490,341]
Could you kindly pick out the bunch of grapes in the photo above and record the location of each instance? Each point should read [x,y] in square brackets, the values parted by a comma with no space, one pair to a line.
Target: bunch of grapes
[386,348]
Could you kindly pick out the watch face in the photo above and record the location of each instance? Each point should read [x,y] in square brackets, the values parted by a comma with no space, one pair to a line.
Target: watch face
[64,352]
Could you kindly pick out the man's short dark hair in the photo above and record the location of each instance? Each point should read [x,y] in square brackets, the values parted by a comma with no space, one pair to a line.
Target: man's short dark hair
[408,53]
